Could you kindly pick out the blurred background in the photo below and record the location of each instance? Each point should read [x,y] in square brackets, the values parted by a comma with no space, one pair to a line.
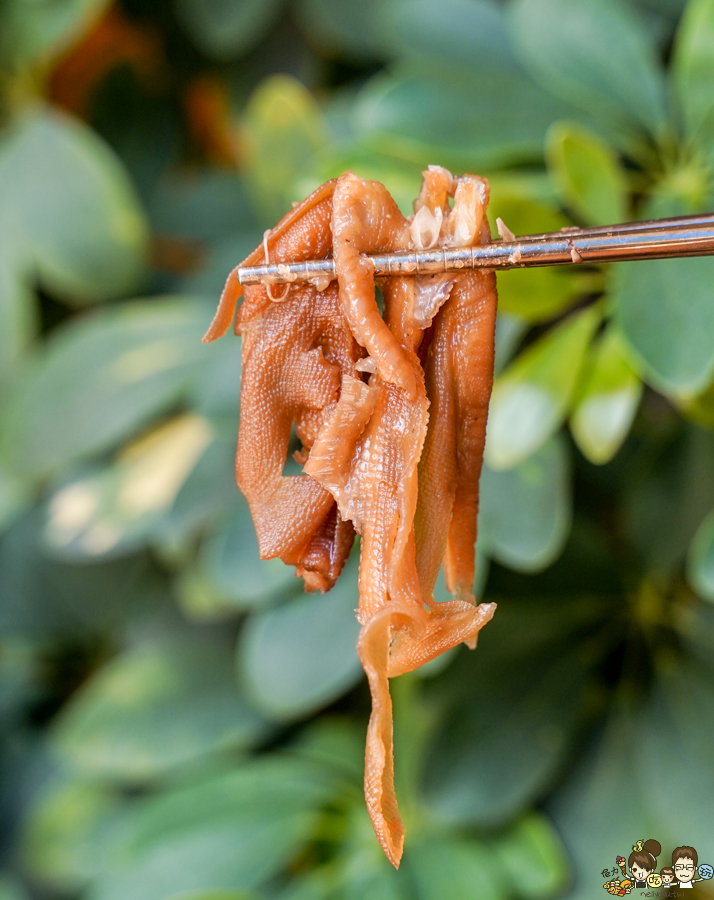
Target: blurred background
[177,718]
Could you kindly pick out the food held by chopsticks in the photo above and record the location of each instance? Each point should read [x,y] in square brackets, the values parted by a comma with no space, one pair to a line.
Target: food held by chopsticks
[390,410]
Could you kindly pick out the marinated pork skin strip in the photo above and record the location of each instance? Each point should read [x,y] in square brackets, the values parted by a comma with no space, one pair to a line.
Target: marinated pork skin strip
[293,356]
[302,234]
[459,376]
[368,455]
[374,454]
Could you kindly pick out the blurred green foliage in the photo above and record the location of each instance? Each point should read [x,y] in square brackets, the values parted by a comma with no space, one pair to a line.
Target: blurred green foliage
[177,719]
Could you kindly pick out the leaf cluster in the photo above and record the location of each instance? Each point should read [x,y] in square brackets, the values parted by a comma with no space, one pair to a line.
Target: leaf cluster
[177,718]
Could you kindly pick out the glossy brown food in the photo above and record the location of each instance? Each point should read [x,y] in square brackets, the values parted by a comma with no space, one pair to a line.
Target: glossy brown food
[391,412]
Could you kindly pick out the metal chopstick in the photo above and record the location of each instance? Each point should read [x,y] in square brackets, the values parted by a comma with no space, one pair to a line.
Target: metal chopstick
[656,239]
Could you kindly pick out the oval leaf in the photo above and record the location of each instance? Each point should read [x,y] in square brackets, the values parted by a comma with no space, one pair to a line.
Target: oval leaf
[595,55]
[525,512]
[71,208]
[230,831]
[284,129]
[123,507]
[301,656]
[587,174]
[342,27]
[99,379]
[67,832]
[441,114]
[451,868]
[153,708]
[665,308]
[533,858]
[531,398]
[481,775]
[693,71]
[223,29]
[424,31]
[43,28]
[231,562]
[607,400]
[700,560]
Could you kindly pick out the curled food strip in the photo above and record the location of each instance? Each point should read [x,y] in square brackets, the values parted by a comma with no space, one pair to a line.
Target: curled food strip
[392,441]
[268,287]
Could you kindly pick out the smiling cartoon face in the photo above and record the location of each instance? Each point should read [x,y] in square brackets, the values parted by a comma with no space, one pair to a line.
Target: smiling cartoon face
[638,873]
[684,869]
[654,880]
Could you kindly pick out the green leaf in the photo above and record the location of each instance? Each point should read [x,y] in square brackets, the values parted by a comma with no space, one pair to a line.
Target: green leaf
[532,858]
[10,889]
[607,399]
[596,56]
[639,753]
[230,831]
[535,294]
[524,513]
[419,113]
[31,31]
[667,496]
[74,215]
[204,205]
[53,601]
[217,895]
[700,559]
[583,807]
[231,561]
[587,174]
[121,508]
[99,379]
[225,29]
[501,745]
[154,708]
[17,310]
[15,495]
[424,31]
[209,492]
[342,28]
[532,396]
[283,128]
[453,868]
[665,309]
[68,830]
[692,71]
[301,656]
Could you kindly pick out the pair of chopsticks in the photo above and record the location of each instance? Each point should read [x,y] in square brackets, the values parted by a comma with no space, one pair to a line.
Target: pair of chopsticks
[656,239]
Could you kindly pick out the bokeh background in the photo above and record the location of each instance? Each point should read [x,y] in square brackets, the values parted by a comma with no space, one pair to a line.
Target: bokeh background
[177,718]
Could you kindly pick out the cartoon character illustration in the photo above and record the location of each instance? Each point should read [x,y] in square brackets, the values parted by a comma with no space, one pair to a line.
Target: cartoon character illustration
[684,863]
[643,861]
[667,875]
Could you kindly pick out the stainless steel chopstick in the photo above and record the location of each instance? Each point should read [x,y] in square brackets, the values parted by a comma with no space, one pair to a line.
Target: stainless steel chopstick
[656,239]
